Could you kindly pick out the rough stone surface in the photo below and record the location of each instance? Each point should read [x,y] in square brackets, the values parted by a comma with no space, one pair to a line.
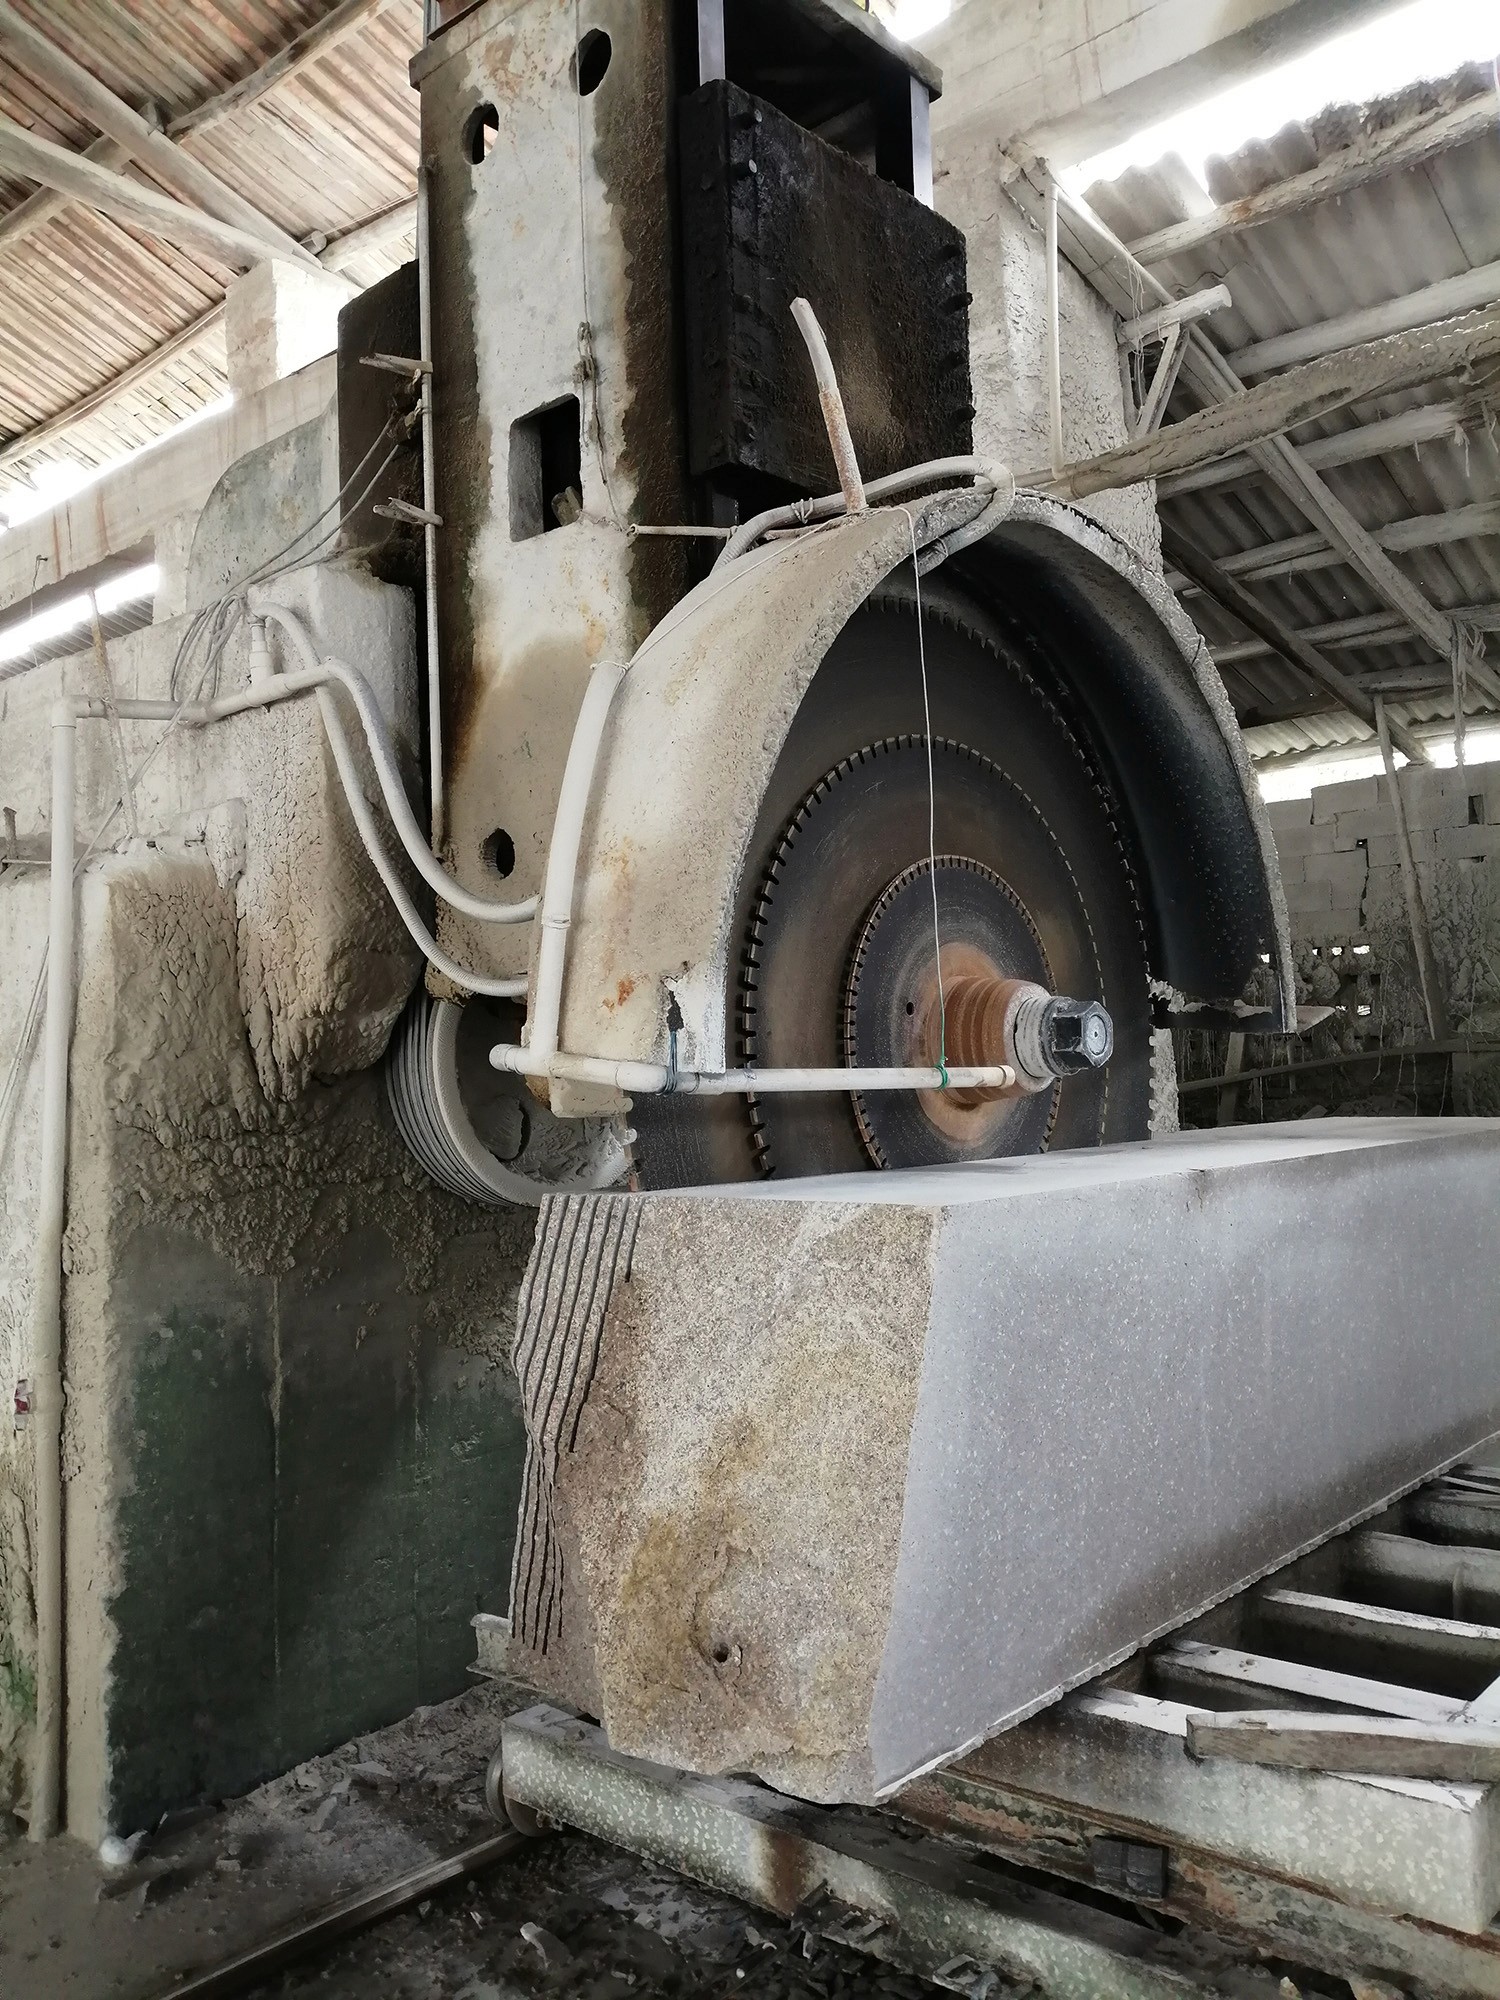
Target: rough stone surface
[867,1472]
[278,318]
[277,1331]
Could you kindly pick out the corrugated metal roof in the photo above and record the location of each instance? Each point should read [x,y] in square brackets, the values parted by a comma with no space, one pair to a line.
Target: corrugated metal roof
[1371,244]
[327,148]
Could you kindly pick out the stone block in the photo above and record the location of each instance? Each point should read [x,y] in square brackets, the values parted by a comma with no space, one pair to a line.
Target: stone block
[1468,843]
[1306,839]
[1354,795]
[1304,896]
[278,318]
[1289,816]
[1344,874]
[1435,799]
[829,1481]
[1293,870]
[1366,824]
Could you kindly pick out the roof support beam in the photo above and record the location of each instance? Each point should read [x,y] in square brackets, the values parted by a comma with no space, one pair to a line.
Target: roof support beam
[1249,416]
[28,216]
[1469,292]
[68,173]
[1104,263]
[335,26]
[1408,430]
[1300,553]
[1291,646]
[116,120]
[1372,628]
[1405,145]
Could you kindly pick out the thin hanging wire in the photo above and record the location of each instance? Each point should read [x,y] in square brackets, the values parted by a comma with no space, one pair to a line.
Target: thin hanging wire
[937,942]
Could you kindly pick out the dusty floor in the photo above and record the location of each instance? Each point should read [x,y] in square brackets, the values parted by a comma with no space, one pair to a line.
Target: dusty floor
[70,1929]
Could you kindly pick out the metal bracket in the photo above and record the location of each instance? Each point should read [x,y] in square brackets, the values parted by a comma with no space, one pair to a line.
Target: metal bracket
[397,364]
[405,510]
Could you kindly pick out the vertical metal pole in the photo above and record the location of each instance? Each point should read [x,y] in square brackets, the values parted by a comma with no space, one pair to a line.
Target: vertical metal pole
[921,143]
[1054,334]
[429,504]
[1433,998]
[712,57]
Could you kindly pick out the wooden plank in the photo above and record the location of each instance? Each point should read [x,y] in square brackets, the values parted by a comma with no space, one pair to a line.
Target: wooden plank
[1466,1518]
[1124,284]
[1455,1753]
[189,178]
[314,42]
[1400,433]
[1369,158]
[1251,416]
[36,159]
[1216,1668]
[22,446]
[1469,292]
[1452,1646]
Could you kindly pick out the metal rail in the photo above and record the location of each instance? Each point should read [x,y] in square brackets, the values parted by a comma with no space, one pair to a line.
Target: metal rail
[358,1912]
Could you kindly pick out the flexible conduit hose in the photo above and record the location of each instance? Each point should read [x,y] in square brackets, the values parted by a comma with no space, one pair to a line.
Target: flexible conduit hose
[802,513]
[388,772]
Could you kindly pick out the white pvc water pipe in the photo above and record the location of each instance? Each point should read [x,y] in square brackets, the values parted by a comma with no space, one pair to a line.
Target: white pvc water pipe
[429,508]
[388,772]
[658,1079]
[562,859]
[46,1309]
[801,513]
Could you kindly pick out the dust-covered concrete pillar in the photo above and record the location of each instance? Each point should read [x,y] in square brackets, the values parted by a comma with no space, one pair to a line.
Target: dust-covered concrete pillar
[278,318]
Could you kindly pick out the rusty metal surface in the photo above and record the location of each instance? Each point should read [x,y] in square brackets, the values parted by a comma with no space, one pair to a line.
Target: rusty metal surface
[86,297]
[973,1929]
[1271,1909]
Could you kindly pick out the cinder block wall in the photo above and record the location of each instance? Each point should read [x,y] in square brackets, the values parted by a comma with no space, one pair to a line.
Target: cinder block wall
[1339,858]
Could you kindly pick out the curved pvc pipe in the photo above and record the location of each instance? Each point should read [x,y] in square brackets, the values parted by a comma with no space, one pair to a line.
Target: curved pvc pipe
[835,416]
[562,856]
[800,514]
[388,772]
[406,909]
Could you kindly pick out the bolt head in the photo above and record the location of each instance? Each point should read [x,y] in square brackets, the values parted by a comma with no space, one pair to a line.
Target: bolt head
[1077,1035]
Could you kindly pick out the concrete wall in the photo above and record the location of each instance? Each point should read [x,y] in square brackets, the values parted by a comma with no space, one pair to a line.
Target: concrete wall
[291,1450]
[1008,347]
